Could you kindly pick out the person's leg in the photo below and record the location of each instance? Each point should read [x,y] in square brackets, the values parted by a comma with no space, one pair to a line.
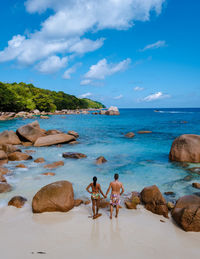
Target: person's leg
[97,206]
[117,211]
[111,211]
[93,207]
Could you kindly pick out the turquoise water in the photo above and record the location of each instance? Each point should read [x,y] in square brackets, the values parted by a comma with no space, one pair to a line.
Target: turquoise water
[140,161]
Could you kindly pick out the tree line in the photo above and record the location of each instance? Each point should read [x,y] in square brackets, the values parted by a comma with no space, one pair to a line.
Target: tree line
[17,97]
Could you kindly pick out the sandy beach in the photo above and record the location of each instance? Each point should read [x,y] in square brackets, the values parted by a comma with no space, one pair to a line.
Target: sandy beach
[135,234]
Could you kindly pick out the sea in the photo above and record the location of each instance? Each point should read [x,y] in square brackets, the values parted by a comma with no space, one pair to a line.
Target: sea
[141,161]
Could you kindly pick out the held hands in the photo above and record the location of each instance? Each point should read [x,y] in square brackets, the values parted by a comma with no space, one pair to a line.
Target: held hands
[105,196]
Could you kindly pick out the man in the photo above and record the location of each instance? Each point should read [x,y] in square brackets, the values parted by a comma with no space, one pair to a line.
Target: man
[117,190]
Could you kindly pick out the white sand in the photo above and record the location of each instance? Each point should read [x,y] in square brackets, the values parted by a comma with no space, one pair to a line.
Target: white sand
[135,234]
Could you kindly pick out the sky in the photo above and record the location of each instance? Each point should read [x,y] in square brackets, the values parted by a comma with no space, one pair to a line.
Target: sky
[126,53]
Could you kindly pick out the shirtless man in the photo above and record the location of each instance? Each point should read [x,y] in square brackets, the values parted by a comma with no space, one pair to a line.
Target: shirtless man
[95,196]
[116,187]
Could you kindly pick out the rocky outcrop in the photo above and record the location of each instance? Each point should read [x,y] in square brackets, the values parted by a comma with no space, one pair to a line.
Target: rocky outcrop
[129,135]
[154,201]
[30,132]
[54,165]
[9,137]
[100,160]
[39,160]
[196,185]
[3,155]
[58,196]
[74,155]
[187,213]
[18,156]
[17,201]
[113,110]
[186,148]
[5,187]
[73,133]
[53,140]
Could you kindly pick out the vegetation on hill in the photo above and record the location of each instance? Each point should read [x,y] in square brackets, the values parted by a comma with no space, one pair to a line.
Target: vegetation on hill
[26,97]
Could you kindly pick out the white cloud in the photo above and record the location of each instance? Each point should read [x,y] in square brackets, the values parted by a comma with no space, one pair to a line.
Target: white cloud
[51,65]
[71,70]
[155,96]
[86,45]
[63,31]
[85,95]
[156,45]
[118,97]
[103,69]
[138,88]
[85,82]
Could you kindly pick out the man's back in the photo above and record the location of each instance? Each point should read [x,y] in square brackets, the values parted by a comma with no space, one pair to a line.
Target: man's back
[116,187]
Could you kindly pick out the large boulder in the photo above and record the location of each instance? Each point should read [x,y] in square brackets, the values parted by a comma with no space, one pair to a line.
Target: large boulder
[57,196]
[9,137]
[5,187]
[18,156]
[154,201]
[113,110]
[53,140]
[187,212]
[74,155]
[53,132]
[17,201]
[30,132]
[186,148]
[3,155]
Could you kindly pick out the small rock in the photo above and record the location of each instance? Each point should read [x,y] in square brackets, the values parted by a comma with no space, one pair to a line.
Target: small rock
[74,155]
[18,156]
[196,185]
[101,160]
[27,144]
[78,202]
[129,135]
[4,171]
[48,174]
[39,160]
[104,204]
[5,187]
[144,132]
[73,142]
[17,201]
[170,205]
[54,165]
[169,193]
[87,202]
[188,178]
[29,151]
[21,166]
[2,179]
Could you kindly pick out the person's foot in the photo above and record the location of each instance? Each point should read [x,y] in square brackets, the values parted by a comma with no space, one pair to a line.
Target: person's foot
[116,216]
[97,216]
[110,216]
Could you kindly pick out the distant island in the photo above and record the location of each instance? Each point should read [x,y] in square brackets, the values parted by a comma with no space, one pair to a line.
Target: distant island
[17,97]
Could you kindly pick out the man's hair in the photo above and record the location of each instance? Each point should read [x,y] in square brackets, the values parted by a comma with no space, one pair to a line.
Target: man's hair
[116,176]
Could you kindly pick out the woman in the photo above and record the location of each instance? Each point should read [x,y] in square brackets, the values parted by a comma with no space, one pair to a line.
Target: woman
[95,196]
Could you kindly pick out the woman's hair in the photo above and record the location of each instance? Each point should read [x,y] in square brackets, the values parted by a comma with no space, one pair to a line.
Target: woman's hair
[94,180]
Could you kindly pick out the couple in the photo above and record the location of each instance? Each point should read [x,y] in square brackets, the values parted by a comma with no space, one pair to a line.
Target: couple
[116,190]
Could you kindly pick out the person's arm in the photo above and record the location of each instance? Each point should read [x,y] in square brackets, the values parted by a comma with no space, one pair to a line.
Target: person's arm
[87,189]
[108,189]
[101,191]
[122,187]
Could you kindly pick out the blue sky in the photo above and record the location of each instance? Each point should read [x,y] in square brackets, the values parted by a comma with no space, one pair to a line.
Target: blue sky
[128,53]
